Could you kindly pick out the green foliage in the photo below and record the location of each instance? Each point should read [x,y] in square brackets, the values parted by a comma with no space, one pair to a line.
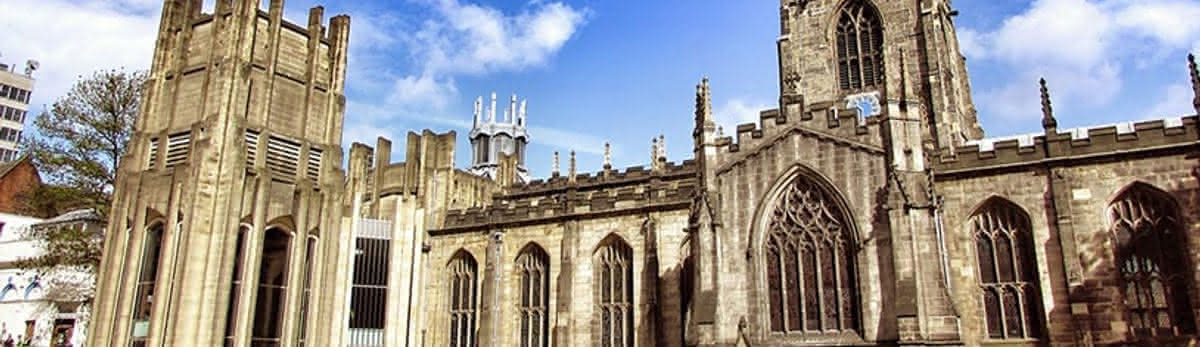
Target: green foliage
[83,135]
[77,145]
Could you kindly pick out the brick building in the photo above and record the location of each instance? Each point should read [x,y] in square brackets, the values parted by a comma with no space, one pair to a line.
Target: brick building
[867,208]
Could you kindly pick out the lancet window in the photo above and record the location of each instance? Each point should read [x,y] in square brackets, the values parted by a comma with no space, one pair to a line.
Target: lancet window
[462,300]
[533,266]
[1008,277]
[859,47]
[614,293]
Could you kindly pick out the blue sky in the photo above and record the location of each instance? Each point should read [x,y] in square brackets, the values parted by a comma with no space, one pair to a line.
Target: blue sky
[625,71]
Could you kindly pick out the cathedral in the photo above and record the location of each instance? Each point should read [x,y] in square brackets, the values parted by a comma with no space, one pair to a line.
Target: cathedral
[867,208]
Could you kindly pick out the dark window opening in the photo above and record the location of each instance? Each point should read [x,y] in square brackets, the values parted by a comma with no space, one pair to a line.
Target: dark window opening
[302,324]
[859,47]
[1152,263]
[462,270]
[810,263]
[614,293]
[534,267]
[144,294]
[1008,277]
[272,289]
[234,289]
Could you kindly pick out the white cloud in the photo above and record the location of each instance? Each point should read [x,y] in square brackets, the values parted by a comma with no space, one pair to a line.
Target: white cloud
[738,111]
[1176,101]
[1081,47]
[457,39]
[75,38]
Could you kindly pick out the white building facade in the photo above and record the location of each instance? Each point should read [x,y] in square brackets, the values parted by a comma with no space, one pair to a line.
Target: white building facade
[43,308]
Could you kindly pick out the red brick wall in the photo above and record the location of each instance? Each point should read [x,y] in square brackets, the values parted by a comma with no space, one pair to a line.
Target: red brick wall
[22,178]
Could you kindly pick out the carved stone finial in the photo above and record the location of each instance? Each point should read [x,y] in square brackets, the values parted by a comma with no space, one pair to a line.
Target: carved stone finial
[607,155]
[554,165]
[1195,82]
[653,151]
[704,116]
[571,167]
[478,109]
[1048,121]
[662,147]
[492,110]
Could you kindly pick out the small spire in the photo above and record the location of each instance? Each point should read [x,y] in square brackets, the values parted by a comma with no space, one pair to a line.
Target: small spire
[478,109]
[662,147]
[512,109]
[521,114]
[492,111]
[607,155]
[703,104]
[1195,82]
[554,165]
[1048,121]
[653,151]
[571,167]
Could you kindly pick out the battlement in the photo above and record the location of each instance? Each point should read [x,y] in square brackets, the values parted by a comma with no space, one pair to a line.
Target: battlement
[1083,143]
[826,119]
[604,192]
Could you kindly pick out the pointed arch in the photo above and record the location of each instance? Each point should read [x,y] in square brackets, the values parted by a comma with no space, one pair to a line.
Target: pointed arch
[807,240]
[533,305]
[1151,260]
[858,37]
[1006,261]
[462,271]
[612,265]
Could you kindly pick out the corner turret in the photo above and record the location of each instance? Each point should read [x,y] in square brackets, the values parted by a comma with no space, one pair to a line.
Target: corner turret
[492,138]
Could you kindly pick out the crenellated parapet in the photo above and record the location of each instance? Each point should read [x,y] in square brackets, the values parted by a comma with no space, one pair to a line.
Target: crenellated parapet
[1084,144]
[828,121]
[607,192]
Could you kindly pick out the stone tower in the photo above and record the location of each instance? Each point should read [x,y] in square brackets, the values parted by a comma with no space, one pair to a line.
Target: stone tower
[224,216]
[495,141]
[863,54]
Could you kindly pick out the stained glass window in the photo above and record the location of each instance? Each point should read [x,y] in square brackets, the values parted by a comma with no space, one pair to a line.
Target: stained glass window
[534,267]
[1151,261]
[1008,279]
[614,264]
[810,263]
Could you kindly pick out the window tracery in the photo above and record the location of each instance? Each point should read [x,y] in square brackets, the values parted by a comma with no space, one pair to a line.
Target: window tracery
[534,268]
[614,292]
[859,47]
[810,264]
[1008,277]
[462,300]
[1151,262]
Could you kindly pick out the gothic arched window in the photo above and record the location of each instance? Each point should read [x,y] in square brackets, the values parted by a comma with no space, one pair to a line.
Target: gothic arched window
[1008,277]
[859,47]
[1150,258]
[810,262]
[462,271]
[614,292]
[533,265]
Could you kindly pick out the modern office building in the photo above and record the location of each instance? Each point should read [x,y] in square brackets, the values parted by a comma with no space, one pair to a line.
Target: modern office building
[15,89]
